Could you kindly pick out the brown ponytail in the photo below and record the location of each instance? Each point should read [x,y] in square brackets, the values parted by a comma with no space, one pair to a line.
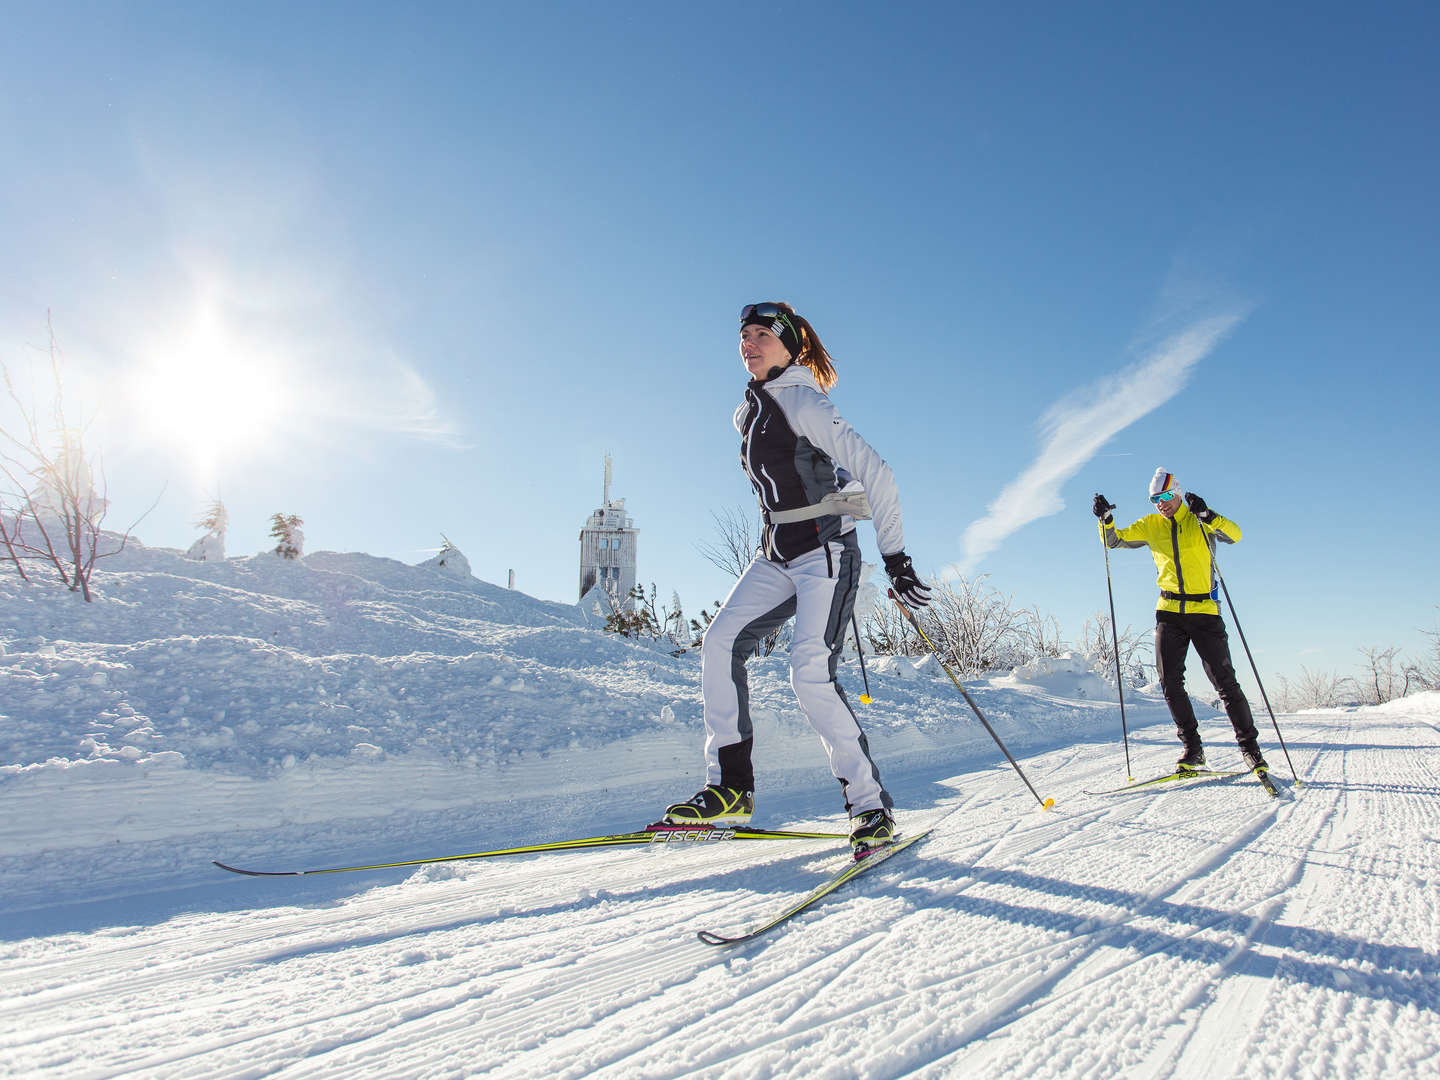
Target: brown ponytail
[812,352]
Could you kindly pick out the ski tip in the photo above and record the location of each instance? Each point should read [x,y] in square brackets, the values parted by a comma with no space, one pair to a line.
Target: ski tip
[257,873]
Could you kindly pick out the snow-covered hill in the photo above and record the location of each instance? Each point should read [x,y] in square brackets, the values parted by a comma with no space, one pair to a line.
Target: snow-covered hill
[348,709]
[197,698]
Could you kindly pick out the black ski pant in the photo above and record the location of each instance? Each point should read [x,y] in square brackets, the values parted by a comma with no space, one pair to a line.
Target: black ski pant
[1174,634]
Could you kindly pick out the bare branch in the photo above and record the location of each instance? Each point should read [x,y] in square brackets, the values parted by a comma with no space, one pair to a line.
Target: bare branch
[1321,689]
[1425,671]
[57,500]
[1381,675]
[738,540]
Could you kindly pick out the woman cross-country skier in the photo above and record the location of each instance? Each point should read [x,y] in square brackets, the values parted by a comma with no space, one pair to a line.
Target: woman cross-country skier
[814,476]
[1180,538]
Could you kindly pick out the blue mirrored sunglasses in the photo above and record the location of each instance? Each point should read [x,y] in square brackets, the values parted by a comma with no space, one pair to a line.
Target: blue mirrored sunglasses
[1163,497]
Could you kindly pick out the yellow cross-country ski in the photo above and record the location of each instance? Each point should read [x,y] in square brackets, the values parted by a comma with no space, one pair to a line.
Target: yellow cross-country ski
[858,866]
[658,833]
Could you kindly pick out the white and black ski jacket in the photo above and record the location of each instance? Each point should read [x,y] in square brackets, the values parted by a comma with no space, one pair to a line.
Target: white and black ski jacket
[796,449]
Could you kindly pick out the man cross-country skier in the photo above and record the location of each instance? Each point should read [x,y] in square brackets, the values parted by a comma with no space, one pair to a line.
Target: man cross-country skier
[1179,537]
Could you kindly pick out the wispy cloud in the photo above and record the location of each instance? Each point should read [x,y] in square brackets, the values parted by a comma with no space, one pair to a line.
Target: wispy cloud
[377,391]
[1075,428]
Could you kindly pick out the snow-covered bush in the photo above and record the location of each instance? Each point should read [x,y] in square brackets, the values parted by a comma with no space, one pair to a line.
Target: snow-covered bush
[450,559]
[643,618]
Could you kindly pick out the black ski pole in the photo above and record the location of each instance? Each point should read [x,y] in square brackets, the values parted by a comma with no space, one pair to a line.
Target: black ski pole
[1215,566]
[1045,804]
[1115,636]
[865,698]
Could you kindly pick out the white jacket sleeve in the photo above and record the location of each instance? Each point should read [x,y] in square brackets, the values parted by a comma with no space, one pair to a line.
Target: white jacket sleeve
[813,415]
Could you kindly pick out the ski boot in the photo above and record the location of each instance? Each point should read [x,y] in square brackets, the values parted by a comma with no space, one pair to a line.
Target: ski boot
[869,830]
[715,805]
[1192,759]
[1254,760]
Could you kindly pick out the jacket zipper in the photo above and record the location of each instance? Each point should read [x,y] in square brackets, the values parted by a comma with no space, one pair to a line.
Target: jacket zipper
[1179,573]
[771,532]
[761,478]
[750,435]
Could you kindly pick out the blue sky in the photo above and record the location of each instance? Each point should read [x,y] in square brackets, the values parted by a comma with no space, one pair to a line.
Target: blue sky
[425,269]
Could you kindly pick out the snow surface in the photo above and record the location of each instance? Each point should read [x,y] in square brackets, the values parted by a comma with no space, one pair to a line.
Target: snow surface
[342,708]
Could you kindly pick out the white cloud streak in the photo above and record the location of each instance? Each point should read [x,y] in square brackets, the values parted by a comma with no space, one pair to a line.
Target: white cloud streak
[1074,429]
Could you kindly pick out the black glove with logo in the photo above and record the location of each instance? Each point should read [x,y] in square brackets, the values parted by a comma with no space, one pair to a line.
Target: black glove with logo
[1198,508]
[1101,508]
[912,591]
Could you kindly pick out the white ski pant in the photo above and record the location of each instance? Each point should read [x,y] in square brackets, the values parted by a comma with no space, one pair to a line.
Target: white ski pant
[818,589]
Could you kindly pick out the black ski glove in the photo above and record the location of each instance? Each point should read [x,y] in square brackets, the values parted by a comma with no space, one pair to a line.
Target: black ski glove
[1101,508]
[912,591]
[1198,508]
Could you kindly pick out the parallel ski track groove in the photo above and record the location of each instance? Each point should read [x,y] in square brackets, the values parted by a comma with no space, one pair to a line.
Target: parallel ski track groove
[573,950]
[756,997]
[1152,906]
[737,1008]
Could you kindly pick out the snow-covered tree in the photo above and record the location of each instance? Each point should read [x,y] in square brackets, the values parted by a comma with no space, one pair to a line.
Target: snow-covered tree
[1097,641]
[1385,676]
[289,540]
[1424,672]
[1315,690]
[675,623]
[211,546]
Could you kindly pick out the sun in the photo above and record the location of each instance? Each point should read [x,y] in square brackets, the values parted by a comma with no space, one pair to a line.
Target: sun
[210,397]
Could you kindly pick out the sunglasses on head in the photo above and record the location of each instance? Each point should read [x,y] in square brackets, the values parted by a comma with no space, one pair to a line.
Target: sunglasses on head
[1163,497]
[768,311]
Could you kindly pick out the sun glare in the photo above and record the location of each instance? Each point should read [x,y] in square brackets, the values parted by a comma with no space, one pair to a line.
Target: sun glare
[209,401]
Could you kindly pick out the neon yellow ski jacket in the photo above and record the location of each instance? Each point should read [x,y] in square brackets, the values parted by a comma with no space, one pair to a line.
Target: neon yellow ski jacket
[1180,547]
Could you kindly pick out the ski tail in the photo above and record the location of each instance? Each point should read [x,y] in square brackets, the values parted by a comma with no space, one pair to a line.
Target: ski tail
[1263,775]
[1178,775]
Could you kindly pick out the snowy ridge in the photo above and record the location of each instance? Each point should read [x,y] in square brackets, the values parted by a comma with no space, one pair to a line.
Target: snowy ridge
[349,709]
[270,692]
